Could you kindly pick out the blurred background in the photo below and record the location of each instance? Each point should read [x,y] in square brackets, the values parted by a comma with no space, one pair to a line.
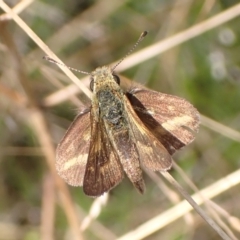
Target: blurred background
[38,102]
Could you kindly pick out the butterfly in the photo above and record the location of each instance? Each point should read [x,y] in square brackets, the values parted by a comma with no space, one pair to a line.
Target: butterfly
[123,132]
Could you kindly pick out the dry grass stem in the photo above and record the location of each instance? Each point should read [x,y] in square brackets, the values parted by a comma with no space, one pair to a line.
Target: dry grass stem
[48,208]
[179,210]
[38,124]
[94,211]
[208,203]
[220,128]
[179,38]
[164,45]
[44,47]
[18,8]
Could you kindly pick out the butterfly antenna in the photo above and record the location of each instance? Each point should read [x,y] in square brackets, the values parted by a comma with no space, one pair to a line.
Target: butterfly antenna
[142,36]
[61,64]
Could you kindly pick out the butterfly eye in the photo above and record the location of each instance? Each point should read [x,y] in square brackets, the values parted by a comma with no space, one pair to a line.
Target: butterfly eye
[116,78]
[91,84]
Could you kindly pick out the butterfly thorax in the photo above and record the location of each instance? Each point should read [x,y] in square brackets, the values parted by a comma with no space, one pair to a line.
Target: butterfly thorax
[110,107]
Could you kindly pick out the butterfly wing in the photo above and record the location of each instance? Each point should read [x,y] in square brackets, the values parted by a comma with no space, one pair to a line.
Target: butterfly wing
[103,170]
[72,151]
[153,155]
[172,120]
[127,151]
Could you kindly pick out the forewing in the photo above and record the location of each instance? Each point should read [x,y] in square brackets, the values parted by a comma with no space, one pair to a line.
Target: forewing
[103,170]
[173,120]
[127,151]
[72,151]
[153,154]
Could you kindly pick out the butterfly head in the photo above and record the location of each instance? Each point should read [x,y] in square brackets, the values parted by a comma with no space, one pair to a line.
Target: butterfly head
[103,77]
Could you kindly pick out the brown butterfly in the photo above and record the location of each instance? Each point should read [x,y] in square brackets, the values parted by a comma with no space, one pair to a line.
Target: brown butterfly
[121,132]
